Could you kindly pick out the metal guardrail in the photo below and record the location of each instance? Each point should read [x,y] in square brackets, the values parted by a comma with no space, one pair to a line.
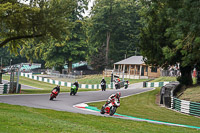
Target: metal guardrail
[4,89]
[184,106]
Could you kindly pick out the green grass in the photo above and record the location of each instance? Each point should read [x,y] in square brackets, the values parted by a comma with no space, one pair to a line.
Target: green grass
[47,87]
[162,79]
[144,106]
[191,94]
[93,79]
[20,119]
[96,79]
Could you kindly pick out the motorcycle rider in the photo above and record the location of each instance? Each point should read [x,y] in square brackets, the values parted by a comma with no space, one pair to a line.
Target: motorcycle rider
[57,88]
[76,84]
[117,83]
[113,97]
[103,84]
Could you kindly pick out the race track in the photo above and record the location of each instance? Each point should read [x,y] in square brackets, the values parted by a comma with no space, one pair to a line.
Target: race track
[65,102]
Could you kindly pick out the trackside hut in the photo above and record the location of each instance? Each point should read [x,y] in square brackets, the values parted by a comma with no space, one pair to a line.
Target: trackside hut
[135,68]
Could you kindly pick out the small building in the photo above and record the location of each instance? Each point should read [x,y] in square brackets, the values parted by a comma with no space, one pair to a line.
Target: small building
[135,68]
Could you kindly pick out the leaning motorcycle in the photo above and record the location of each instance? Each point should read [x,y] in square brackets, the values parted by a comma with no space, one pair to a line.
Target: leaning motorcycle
[73,90]
[53,95]
[110,108]
[126,83]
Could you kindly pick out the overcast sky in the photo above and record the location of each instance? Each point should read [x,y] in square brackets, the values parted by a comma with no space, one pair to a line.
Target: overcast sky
[89,7]
[86,13]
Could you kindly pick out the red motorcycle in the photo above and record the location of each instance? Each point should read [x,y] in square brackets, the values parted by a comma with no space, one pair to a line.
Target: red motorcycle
[53,95]
[110,108]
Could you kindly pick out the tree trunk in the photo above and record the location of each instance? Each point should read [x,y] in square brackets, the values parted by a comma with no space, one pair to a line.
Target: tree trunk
[59,68]
[69,66]
[186,76]
[107,46]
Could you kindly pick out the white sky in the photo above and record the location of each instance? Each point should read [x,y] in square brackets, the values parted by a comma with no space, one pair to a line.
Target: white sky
[86,13]
[89,7]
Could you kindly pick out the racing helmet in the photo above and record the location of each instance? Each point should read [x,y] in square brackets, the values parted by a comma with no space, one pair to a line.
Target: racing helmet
[118,95]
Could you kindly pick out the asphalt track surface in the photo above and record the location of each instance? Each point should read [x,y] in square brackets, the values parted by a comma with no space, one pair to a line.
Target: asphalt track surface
[65,102]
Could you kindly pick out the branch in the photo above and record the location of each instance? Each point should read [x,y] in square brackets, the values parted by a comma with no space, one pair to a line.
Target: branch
[18,37]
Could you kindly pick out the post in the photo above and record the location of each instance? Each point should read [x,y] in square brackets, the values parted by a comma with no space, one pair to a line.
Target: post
[123,73]
[134,70]
[10,63]
[1,63]
[129,71]
[17,88]
[140,71]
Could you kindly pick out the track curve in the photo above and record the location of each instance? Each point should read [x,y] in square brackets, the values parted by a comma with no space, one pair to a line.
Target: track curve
[65,102]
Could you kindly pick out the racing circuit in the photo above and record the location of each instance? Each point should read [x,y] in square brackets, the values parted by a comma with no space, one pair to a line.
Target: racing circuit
[76,104]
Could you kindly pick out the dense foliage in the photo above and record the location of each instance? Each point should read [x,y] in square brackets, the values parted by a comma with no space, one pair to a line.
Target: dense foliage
[113,27]
[37,19]
[171,34]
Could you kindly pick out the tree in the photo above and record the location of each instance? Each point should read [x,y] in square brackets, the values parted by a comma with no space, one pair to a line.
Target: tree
[6,57]
[72,49]
[170,34]
[38,19]
[113,23]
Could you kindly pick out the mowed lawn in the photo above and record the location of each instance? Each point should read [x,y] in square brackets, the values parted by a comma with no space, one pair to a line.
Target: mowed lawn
[96,79]
[144,106]
[47,87]
[20,119]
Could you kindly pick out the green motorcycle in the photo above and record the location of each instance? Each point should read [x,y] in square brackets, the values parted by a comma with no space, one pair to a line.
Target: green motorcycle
[73,90]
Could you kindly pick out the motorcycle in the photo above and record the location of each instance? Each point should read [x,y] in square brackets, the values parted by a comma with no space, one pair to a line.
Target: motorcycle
[73,90]
[53,95]
[117,85]
[126,83]
[110,108]
[103,86]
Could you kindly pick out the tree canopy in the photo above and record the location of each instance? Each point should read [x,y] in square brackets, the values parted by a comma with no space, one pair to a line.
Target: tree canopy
[170,34]
[57,53]
[113,26]
[38,19]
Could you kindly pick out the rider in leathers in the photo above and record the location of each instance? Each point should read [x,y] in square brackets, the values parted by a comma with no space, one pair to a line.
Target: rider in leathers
[113,97]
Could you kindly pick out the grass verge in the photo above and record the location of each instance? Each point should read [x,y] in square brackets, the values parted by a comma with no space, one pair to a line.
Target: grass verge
[191,94]
[163,79]
[96,79]
[20,119]
[144,106]
[47,87]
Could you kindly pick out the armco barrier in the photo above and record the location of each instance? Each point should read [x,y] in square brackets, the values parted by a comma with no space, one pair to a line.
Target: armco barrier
[62,83]
[156,84]
[4,88]
[191,108]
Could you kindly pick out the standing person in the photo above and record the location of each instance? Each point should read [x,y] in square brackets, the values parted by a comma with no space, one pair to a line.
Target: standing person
[103,84]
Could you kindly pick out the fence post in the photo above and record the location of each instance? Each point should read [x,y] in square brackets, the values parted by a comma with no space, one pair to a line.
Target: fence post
[5,88]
